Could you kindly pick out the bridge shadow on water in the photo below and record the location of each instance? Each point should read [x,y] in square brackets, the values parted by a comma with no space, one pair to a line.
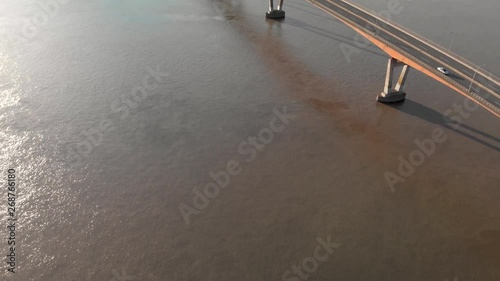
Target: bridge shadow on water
[430,115]
[328,34]
[309,9]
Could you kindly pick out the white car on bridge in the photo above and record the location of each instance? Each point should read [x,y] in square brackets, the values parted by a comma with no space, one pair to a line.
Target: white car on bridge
[443,70]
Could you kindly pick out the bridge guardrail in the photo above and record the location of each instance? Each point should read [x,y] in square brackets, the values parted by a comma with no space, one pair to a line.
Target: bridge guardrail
[476,68]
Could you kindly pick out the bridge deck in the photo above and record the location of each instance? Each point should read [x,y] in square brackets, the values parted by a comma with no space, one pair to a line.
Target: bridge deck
[466,78]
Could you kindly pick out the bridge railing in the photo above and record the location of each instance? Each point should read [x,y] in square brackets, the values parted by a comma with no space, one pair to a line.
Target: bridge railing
[473,66]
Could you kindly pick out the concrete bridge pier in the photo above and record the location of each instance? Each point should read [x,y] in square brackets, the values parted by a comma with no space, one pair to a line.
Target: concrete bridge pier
[395,94]
[275,14]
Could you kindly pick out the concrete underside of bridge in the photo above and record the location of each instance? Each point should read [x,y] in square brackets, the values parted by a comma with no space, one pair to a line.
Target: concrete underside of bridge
[389,93]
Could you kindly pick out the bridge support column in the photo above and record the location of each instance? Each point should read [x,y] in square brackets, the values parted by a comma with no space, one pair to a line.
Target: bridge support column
[275,14]
[395,94]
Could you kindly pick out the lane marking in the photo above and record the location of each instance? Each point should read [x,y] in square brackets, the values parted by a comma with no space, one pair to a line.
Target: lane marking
[492,86]
[445,59]
[425,59]
[464,71]
[423,47]
[404,37]
[383,35]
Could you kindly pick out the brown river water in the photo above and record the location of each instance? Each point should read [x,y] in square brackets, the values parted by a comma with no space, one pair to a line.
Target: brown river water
[196,140]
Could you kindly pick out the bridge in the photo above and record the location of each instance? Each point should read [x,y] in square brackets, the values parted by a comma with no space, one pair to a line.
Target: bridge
[410,50]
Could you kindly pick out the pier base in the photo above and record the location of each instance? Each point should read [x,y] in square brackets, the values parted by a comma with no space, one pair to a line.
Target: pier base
[395,94]
[391,97]
[275,14]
